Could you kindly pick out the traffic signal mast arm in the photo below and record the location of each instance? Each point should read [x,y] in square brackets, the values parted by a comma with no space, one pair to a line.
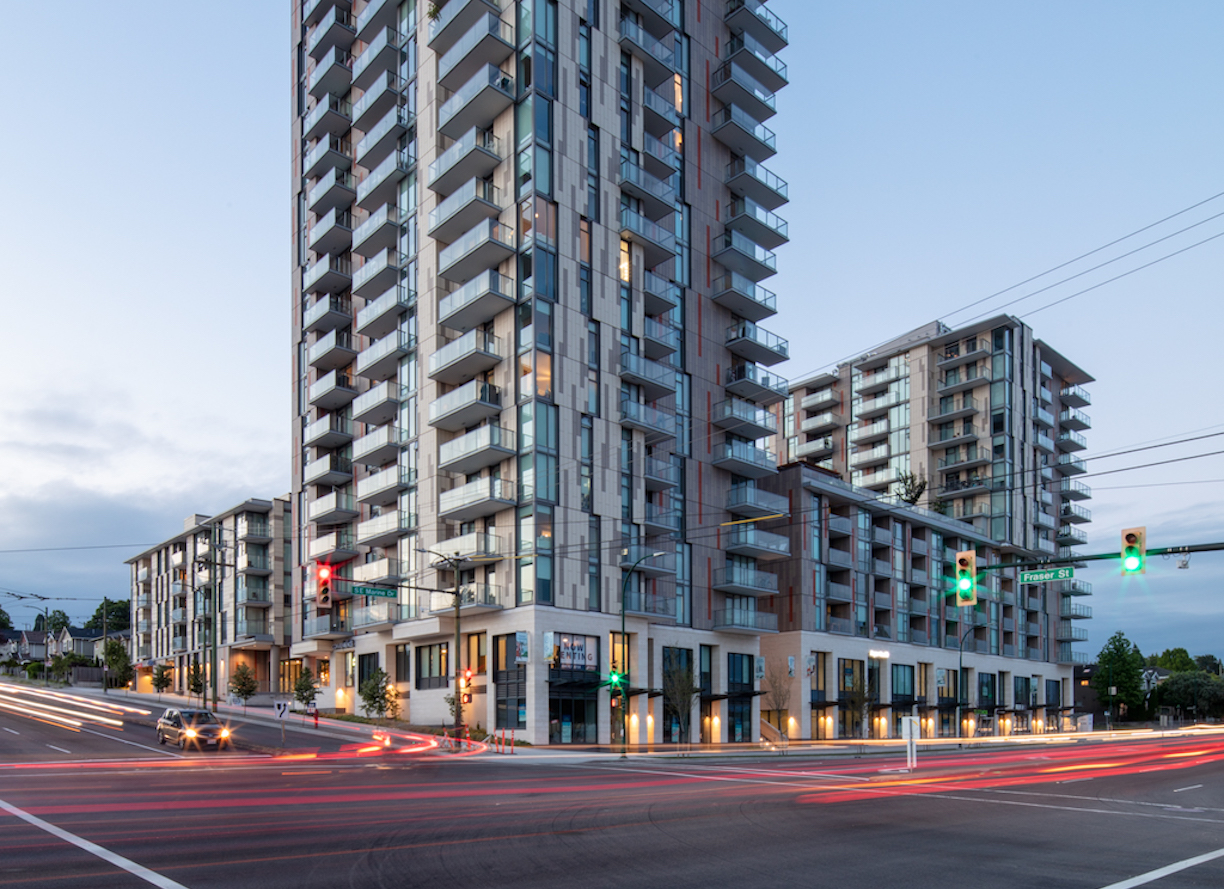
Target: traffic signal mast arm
[1096,557]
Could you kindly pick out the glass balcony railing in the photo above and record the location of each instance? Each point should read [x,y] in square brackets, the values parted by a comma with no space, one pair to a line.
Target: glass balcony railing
[745,121]
[748,331]
[470,141]
[471,391]
[729,72]
[472,190]
[748,167]
[485,489]
[492,76]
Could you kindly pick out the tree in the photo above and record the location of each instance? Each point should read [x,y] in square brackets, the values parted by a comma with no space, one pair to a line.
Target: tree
[679,689]
[118,616]
[56,621]
[6,622]
[162,679]
[118,664]
[1177,660]
[777,697]
[910,488]
[243,684]
[195,680]
[1194,692]
[1208,663]
[373,694]
[304,689]
[393,702]
[1120,665]
[62,664]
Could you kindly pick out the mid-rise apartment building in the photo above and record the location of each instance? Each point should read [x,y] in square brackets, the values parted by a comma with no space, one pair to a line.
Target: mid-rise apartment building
[228,571]
[986,416]
[529,241]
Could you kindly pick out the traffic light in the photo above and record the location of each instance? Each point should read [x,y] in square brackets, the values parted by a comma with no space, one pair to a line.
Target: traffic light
[323,576]
[616,682]
[966,577]
[465,687]
[1134,551]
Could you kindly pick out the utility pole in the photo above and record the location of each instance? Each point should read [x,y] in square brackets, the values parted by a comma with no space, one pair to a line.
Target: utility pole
[453,563]
[104,670]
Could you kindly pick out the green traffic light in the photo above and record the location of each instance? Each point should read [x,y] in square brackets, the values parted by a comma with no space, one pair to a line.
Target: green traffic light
[1132,562]
[965,584]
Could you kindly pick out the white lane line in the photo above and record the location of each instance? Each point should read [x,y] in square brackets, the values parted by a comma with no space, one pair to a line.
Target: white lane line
[1161,872]
[1191,787]
[60,749]
[105,854]
[11,731]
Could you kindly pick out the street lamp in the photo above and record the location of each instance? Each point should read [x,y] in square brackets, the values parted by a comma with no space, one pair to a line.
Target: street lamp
[874,656]
[625,649]
[453,563]
[960,671]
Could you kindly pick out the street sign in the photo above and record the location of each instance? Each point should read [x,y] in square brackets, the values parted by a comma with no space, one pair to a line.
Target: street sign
[374,591]
[282,709]
[1045,574]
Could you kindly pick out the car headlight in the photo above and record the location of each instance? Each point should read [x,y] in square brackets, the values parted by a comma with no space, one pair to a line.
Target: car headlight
[191,733]
[225,733]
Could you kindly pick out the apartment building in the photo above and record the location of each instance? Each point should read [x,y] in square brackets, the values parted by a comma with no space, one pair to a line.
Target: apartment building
[529,241]
[230,571]
[987,416]
[869,632]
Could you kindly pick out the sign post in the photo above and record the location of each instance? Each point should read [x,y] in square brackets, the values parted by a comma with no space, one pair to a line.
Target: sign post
[1046,574]
[282,713]
[910,730]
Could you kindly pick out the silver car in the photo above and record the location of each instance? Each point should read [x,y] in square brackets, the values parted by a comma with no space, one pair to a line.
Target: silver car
[200,728]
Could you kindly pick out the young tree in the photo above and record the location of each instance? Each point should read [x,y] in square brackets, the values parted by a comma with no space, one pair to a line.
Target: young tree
[679,689]
[777,696]
[910,488]
[56,622]
[118,616]
[304,689]
[6,622]
[162,679]
[1120,665]
[243,684]
[195,681]
[373,694]
[118,664]
[393,702]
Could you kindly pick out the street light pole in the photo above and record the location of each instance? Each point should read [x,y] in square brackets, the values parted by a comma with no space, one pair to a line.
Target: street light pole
[625,650]
[960,672]
[453,562]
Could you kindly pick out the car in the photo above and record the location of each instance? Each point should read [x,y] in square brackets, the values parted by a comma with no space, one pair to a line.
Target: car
[198,727]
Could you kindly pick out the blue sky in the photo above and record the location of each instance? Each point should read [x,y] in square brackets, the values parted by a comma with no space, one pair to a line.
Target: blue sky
[937,153]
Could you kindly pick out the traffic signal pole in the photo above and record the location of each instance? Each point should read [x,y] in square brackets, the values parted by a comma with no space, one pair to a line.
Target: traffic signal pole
[1096,557]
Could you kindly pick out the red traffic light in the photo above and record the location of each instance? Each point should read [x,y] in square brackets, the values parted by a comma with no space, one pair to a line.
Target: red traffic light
[323,572]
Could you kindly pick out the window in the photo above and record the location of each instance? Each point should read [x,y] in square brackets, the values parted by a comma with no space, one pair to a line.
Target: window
[477,651]
[902,681]
[402,663]
[367,666]
[431,666]
[348,669]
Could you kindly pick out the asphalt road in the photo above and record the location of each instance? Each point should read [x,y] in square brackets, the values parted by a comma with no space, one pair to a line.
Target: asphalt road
[1086,815]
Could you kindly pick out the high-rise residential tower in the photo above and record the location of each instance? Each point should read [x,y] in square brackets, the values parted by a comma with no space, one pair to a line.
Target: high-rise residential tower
[529,241]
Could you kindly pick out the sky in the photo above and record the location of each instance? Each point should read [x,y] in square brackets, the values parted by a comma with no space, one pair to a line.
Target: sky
[943,159]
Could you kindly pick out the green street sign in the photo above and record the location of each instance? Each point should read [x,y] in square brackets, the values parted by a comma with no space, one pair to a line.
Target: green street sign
[373,591]
[1045,574]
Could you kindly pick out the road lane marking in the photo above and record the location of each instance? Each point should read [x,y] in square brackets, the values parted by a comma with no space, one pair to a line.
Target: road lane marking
[1191,787]
[60,749]
[105,854]
[1161,872]
[11,731]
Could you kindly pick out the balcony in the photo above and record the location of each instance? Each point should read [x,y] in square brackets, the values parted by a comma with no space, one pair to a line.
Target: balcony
[382,316]
[1069,535]
[745,459]
[659,340]
[379,447]
[1069,418]
[960,353]
[656,380]
[1074,396]
[330,152]
[1074,611]
[660,156]
[643,559]
[1069,464]
[385,570]
[331,234]
[657,243]
[885,476]
[382,95]
[660,475]
[385,530]
[952,409]
[967,487]
[327,313]
[870,457]
[660,520]
[656,424]
[335,28]
[465,357]
[751,502]
[861,435]
[750,17]
[1071,441]
[870,383]
[756,384]
[331,391]
[1073,490]
[336,546]
[658,62]
[749,540]
[821,399]
[177,616]
[972,456]
[383,488]
[1043,418]
[326,626]
[332,115]
[490,41]
[313,11]
[738,253]
[333,509]
[870,408]
[331,469]
[756,223]
[331,274]
[659,115]
[745,136]
[757,60]
[477,499]
[378,404]
[380,360]
[378,233]
[660,17]
[473,451]
[744,418]
[454,19]
[381,186]
[332,350]
[376,615]
[1069,632]
[658,196]
[963,434]
[732,85]
[469,550]
[748,179]
[963,379]
[382,139]
[651,605]
[818,448]
[473,202]
[474,155]
[659,295]
[1072,512]
[473,598]
[756,344]
[332,74]
[336,189]
[381,54]
[465,406]
[741,620]
[479,250]
[477,103]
